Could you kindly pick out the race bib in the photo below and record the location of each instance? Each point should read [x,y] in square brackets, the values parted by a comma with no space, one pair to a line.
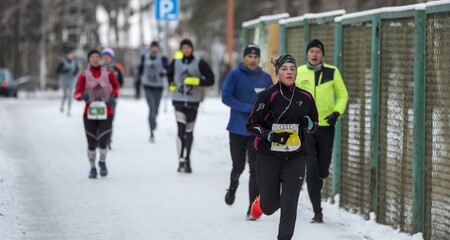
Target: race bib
[97,110]
[290,132]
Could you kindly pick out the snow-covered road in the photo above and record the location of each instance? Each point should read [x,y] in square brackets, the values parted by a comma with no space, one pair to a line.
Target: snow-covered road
[45,192]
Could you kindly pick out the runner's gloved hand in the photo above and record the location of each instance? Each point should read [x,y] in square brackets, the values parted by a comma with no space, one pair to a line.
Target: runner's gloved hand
[331,119]
[172,87]
[112,100]
[306,122]
[280,138]
[195,81]
[86,97]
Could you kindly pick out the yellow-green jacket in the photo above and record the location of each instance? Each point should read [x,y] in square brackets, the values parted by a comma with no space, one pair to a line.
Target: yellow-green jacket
[330,94]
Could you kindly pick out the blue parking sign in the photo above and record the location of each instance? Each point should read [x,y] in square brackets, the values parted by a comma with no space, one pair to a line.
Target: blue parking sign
[167,10]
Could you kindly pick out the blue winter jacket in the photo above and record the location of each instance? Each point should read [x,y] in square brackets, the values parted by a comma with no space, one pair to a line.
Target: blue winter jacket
[239,93]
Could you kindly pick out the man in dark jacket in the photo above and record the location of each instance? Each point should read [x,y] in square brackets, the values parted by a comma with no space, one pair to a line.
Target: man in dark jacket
[239,93]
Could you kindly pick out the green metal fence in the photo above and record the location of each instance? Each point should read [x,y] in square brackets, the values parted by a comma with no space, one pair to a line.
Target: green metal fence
[394,160]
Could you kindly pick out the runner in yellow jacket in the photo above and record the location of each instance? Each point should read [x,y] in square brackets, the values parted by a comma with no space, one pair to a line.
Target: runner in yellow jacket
[326,85]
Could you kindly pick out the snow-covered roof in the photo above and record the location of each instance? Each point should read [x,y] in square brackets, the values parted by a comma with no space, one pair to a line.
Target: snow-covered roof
[420,6]
[312,16]
[437,3]
[266,18]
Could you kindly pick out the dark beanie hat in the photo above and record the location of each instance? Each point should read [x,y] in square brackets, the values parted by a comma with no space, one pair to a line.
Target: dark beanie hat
[154,44]
[316,43]
[186,42]
[92,51]
[252,49]
[282,60]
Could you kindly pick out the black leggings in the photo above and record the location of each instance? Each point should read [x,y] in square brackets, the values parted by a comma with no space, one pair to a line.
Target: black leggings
[185,117]
[98,132]
[280,182]
[319,147]
[241,148]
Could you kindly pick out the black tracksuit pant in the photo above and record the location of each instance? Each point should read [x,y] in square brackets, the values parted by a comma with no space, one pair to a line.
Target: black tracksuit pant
[241,148]
[319,147]
[280,181]
[98,132]
[185,117]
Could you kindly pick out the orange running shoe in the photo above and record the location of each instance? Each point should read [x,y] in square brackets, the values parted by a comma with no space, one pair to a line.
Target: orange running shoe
[256,211]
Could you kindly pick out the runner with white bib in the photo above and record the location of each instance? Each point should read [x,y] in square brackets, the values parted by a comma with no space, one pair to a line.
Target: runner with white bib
[99,88]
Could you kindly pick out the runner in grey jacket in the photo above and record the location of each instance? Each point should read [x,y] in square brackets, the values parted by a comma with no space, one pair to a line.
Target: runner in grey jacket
[67,70]
[152,74]
[187,77]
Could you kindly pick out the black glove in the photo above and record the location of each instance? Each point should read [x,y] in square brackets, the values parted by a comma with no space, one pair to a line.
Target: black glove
[280,138]
[86,97]
[332,118]
[112,100]
[306,122]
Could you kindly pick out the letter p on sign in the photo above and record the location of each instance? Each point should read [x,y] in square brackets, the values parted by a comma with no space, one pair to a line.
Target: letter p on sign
[167,10]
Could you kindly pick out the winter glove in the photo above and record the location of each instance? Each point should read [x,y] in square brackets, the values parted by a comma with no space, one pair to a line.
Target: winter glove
[195,81]
[280,138]
[172,87]
[306,122]
[86,97]
[112,100]
[331,119]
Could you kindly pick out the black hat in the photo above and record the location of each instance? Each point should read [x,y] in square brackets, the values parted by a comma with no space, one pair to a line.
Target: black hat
[92,51]
[154,44]
[282,60]
[186,42]
[252,49]
[316,43]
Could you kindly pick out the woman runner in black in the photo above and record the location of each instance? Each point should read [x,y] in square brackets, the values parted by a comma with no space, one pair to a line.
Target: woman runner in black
[281,117]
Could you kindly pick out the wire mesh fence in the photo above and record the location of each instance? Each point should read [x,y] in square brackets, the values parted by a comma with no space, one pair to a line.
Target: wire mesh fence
[437,135]
[355,163]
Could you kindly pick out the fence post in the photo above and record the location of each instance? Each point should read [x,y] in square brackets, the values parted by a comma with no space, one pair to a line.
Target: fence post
[307,34]
[282,39]
[244,38]
[419,121]
[375,112]
[338,130]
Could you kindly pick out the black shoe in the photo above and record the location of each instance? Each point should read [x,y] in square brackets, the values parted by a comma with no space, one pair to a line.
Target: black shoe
[103,169]
[93,173]
[181,165]
[318,218]
[187,166]
[152,138]
[231,192]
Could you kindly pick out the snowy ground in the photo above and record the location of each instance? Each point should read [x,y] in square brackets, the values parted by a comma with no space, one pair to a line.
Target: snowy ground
[45,192]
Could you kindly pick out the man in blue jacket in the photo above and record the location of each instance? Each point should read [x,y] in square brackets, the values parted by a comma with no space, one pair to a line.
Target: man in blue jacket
[239,93]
